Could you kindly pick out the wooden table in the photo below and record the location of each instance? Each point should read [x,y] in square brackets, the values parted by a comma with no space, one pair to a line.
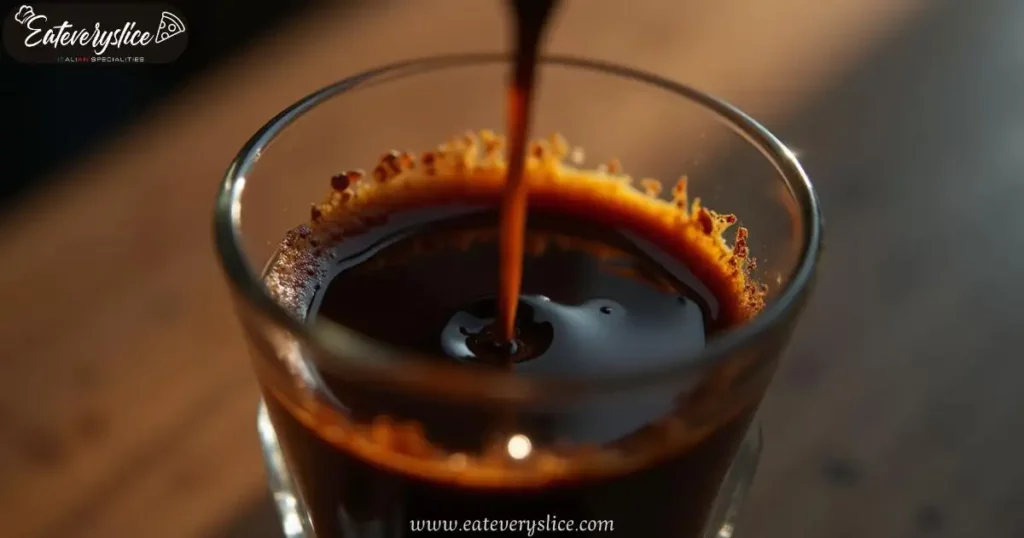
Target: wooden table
[127,408]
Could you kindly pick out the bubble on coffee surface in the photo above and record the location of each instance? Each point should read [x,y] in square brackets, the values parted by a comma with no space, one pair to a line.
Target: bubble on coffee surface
[471,168]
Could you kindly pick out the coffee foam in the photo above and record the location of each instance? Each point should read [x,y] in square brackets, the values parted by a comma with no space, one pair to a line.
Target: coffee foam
[471,169]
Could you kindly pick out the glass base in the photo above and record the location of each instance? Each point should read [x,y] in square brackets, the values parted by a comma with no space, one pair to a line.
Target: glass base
[295,518]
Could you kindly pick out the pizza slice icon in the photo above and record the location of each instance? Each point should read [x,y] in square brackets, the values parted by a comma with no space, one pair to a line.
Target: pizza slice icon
[170,26]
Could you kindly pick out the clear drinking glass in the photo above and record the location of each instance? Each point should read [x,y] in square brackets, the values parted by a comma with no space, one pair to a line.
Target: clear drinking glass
[657,128]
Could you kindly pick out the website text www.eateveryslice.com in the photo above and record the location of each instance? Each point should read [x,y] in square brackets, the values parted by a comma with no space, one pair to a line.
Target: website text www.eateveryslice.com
[527,527]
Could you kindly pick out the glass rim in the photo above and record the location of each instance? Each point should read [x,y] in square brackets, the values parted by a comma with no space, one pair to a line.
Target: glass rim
[381,361]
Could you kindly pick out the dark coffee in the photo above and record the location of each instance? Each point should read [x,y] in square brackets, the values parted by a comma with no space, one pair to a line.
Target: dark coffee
[577,314]
[607,289]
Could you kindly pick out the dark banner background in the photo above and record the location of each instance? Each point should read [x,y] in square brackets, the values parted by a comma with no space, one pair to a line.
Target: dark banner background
[151,33]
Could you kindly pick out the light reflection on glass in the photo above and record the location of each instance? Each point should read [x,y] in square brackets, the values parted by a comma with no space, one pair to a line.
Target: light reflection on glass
[519,446]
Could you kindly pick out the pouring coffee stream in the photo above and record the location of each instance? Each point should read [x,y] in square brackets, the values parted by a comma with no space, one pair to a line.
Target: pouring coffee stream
[531,18]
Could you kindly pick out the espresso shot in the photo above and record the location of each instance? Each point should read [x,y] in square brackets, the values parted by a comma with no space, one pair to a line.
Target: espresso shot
[499,256]
[615,281]
[500,334]
[622,399]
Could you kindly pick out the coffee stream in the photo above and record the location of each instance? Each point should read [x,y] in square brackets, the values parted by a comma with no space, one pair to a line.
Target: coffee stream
[531,17]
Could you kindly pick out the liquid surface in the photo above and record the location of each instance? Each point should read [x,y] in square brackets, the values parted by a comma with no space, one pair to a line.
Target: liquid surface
[595,301]
[423,290]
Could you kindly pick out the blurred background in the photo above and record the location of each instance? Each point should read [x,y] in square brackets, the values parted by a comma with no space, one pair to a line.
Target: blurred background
[126,407]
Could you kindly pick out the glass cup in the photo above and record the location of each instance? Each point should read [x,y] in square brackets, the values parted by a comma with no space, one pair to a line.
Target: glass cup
[657,128]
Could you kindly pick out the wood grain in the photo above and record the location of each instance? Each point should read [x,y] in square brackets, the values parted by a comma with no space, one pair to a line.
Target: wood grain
[897,412]
[127,408]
